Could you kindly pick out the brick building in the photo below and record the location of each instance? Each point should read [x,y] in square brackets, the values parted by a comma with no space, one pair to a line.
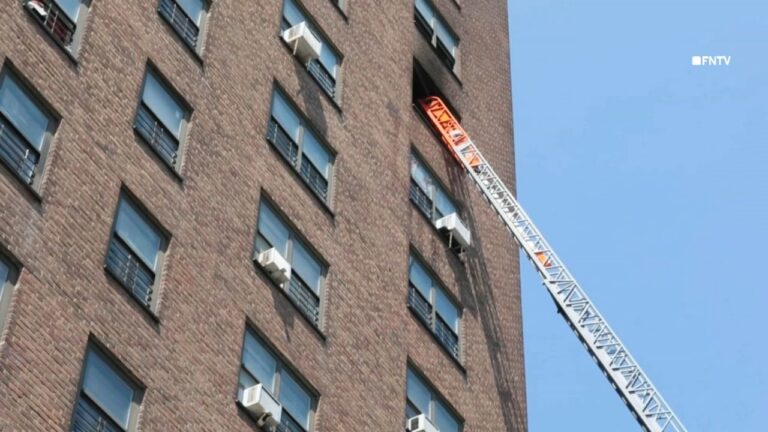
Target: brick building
[163,161]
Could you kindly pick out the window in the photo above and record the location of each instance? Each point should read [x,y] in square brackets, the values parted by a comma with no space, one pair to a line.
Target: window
[260,365]
[187,18]
[422,399]
[26,129]
[429,301]
[324,70]
[107,401]
[440,36]
[135,252]
[307,271]
[427,194]
[161,119]
[7,278]
[62,19]
[296,141]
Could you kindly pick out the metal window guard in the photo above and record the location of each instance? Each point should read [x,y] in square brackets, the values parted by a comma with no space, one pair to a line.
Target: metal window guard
[323,77]
[53,19]
[284,143]
[90,418]
[154,133]
[16,153]
[306,299]
[129,270]
[421,200]
[180,21]
[288,424]
[424,310]
[314,178]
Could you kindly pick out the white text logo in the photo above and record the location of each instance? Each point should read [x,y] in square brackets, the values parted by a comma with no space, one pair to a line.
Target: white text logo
[711,60]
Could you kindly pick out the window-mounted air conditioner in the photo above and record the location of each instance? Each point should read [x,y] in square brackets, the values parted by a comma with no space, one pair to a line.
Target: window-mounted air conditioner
[259,402]
[306,46]
[456,229]
[275,265]
[421,423]
[36,6]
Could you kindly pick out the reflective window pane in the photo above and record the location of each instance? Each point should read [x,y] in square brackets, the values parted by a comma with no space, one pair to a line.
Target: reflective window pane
[420,175]
[292,13]
[108,389]
[443,204]
[295,399]
[316,153]
[259,361]
[420,278]
[193,8]
[444,420]
[447,310]
[163,104]
[308,268]
[3,274]
[273,229]
[423,7]
[418,393]
[286,116]
[142,237]
[23,112]
[446,37]
[329,59]
[70,7]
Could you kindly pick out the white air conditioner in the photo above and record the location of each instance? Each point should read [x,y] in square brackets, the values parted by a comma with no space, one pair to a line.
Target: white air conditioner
[259,402]
[36,6]
[421,423]
[455,228]
[275,265]
[304,44]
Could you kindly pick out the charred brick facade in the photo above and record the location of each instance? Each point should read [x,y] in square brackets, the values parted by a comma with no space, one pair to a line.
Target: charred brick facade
[183,349]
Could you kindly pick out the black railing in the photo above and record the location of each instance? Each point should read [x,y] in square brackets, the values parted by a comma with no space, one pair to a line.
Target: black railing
[177,17]
[314,178]
[129,270]
[447,336]
[154,133]
[90,418]
[16,153]
[305,298]
[283,141]
[288,424]
[421,199]
[53,19]
[420,305]
[323,77]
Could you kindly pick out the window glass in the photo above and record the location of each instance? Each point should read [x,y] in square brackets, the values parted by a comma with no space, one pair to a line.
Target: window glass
[3,275]
[307,266]
[70,7]
[443,204]
[420,175]
[291,13]
[444,420]
[447,310]
[193,8]
[328,58]
[420,278]
[259,362]
[286,116]
[142,237]
[23,112]
[425,10]
[316,153]
[418,393]
[108,389]
[295,399]
[273,229]
[163,104]
[446,37]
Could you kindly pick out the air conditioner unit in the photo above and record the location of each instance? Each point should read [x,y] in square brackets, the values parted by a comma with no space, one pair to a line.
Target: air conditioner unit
[36,6]
[421,423]
[275,265]
[452,225]
[304,44]
[259,402]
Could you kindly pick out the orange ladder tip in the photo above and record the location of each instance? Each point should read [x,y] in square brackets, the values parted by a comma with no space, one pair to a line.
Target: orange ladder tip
[543,259]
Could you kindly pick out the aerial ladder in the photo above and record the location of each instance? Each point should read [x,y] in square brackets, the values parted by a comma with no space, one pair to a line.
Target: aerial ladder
[624,373]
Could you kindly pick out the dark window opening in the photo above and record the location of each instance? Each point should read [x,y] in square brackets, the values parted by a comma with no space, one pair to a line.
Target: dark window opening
[424,86]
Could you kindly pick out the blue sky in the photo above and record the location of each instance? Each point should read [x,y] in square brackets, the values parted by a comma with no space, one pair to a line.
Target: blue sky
[648,176]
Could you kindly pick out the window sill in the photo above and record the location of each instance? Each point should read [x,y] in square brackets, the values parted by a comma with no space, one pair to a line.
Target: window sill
[31,190]
[296,307]
[154,317]
[175,174]
[295,172]
[193,51]
[432,334]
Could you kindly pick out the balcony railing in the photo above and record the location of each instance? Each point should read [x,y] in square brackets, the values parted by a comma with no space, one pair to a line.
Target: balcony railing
[424,310]
[154,133]
[314,178]
[305,298]
[16,153]
[89,418]
[53,19]
[129,270]
[180,21]
[288,424]
[284,143]
[323,77]
[421,199]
